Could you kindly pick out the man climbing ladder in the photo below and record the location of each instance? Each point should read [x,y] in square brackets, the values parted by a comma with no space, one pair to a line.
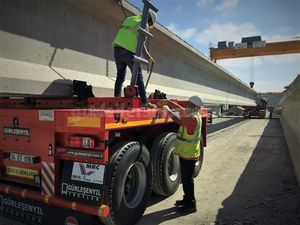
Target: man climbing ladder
[126,52]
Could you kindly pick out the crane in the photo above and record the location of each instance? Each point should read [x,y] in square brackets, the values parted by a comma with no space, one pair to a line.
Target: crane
[273,48]
[250,47]
[253,46]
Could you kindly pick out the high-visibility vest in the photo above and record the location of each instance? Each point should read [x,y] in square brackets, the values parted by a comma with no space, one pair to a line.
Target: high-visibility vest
[188,146]
[127,36]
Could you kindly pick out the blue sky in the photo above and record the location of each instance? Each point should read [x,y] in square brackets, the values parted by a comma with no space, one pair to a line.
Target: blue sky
[200,22]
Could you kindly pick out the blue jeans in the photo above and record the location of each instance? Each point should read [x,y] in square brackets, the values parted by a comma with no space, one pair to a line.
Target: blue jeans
[124,58]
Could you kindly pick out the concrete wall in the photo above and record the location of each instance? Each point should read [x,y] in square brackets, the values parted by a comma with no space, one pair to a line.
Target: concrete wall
[46,40]
[290,122]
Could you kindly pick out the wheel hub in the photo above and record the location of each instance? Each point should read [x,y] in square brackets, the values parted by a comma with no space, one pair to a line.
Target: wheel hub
[135,184]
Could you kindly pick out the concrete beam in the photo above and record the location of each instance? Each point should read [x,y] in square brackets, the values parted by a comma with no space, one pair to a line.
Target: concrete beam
[46,40]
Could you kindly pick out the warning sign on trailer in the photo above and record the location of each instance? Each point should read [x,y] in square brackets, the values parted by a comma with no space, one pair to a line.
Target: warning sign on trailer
[88,172]
[21,172]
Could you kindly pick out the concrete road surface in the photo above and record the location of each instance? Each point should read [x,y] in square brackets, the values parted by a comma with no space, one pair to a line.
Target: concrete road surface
[246,178]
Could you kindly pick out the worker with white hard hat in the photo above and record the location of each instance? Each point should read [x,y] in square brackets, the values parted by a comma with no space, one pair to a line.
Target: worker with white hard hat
[125,45]
[187,145]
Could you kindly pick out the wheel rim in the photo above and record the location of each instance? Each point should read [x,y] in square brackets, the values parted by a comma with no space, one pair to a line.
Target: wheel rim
[135,185]
[173,165]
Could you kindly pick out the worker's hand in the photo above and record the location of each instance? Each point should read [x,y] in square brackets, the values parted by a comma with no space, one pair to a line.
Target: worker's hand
[151,60]
[165,107]
[158,114]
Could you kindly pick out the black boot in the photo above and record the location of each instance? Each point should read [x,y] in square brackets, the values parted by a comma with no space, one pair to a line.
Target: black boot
[187,207]
[179,202]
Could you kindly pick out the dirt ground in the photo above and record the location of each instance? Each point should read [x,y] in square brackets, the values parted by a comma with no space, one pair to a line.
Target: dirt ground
[246,179]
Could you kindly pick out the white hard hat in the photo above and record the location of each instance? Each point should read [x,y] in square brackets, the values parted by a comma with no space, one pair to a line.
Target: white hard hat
[153,16]
[196,100]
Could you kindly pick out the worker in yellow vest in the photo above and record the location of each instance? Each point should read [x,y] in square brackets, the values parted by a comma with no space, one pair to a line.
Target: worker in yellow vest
[125,45]
[187,146]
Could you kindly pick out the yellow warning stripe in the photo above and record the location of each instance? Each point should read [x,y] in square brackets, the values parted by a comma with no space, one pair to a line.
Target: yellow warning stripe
[136,123]
[7,189]
[23,193]
[46,199]
[81,121]
[74,205]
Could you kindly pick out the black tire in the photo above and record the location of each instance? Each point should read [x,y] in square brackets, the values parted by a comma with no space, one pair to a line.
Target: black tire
[199,162]
[166,165]
[128,183]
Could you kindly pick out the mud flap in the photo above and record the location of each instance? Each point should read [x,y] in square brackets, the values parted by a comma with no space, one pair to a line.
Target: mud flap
[83,182]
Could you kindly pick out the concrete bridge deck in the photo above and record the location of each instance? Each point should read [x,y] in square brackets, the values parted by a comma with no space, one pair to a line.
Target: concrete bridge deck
[42,41]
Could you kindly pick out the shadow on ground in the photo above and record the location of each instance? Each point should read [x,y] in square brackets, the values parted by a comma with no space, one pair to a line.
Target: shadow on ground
[162,215]
[219,126]
[267,191]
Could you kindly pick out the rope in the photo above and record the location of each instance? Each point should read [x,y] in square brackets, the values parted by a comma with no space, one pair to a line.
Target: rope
[149,75]
[251,69]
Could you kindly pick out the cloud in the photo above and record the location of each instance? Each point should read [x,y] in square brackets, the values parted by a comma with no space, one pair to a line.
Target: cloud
[227,31]
[226,6]
[178,8]
[280,37]
[188,33]
[239,63]
[185,33]
[267,86]
[283,59]
[172,27]
[204,2]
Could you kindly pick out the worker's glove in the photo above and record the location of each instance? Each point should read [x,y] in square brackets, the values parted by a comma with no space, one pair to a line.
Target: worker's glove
[165,107]
[151,60]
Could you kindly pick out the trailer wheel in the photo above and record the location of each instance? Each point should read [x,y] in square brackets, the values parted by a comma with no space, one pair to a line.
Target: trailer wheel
[128,186]
[166,165]
[199,162]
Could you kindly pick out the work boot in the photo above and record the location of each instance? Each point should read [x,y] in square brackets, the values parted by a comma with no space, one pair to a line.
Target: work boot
[149,105]
[187,208]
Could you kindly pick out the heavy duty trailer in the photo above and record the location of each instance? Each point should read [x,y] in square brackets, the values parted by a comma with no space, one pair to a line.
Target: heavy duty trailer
[77,160]
[255,111]
[258,111]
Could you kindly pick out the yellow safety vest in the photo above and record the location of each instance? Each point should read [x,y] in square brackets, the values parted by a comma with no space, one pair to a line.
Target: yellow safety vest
[127,36]
[188,146]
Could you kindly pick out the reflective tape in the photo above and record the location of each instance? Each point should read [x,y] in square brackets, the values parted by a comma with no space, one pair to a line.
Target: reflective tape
[48,178]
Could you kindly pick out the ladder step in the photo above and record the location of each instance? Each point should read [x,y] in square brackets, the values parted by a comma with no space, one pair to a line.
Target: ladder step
[140,59]
[145,32]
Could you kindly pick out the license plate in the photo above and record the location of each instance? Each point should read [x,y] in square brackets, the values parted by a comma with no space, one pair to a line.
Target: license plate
[23,158]
[21,172]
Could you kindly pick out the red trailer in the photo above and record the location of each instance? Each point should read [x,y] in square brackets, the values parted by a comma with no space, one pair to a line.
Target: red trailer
[80,160]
